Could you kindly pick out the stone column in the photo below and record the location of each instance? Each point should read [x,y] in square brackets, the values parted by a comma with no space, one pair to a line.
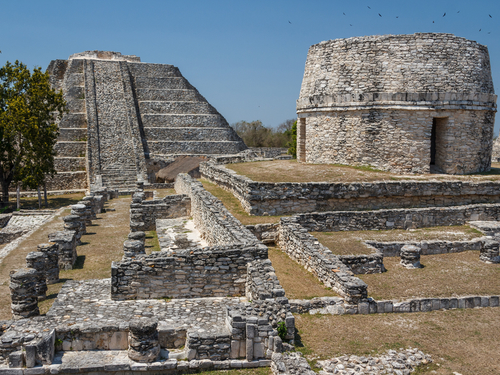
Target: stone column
[66,241]
[88,212]
[410,256]
[38,261]
[51,250]
[23,293]
[136,217]
[93,210]
[143,340]
[73,223]
[137,236]
[133,248]
[489,252]
[80,211]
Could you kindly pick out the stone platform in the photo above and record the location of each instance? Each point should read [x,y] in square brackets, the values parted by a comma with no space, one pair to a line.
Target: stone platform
[85,318]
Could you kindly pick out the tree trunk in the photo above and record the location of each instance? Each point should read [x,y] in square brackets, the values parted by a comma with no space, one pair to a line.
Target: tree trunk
[39,198]
[45,195]
[18,196]
[5,193]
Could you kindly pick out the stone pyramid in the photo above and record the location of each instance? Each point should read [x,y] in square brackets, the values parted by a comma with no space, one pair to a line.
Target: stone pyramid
[124,113]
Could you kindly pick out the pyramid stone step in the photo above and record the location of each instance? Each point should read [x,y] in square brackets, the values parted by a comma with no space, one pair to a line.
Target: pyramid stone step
[72,134]
[190,134]
[76,105]
[174,83]
[169,95]
[177,107]
[195,147]
[73,149]
[74,93]
[73,79]
[75,66]
[177,120]
[153,70]
[69,164]
[74,120]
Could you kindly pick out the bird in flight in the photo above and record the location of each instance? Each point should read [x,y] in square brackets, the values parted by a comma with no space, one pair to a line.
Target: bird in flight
[350,24]
[380,15]
[458,12]
[480,30]
[432,21]
[397,16]
[289,22]
[444,14]
[490,15]
[343,13]
[369,8]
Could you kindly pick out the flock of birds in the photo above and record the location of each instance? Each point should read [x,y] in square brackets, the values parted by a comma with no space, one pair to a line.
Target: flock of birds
[444,15]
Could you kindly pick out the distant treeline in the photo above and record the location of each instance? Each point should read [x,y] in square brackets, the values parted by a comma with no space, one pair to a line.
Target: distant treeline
[254,134]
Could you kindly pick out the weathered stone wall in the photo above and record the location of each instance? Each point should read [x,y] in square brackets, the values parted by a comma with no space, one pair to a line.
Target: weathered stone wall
[193,273]
[215,223]
[306,250]
[396,218]
[261,282]
[258,198]
[372,101]
[169,207]
[392,249]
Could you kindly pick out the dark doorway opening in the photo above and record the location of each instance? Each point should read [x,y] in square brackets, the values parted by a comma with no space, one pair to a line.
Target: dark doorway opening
[433,142]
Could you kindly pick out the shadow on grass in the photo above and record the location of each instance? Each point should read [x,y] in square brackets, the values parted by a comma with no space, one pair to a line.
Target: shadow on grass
[492,171]
[80,261]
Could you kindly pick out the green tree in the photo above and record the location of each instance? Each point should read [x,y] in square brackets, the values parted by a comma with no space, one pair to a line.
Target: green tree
[254,134]
[292,144]
[29,108]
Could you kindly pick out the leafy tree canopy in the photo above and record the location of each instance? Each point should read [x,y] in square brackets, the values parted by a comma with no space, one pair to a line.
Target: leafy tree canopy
[29,108]
[254,134]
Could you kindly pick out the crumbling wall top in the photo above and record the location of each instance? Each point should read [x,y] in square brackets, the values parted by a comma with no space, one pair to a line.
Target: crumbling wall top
[105,55]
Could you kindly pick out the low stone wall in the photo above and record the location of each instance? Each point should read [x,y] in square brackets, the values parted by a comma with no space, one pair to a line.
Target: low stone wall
[263,198]
[363,264]
[392,249]
[192,273]
[171,206]
[267,233]
[403,218]
[262,283]
[4,219]
[253,326]
[215,223]
[316,258]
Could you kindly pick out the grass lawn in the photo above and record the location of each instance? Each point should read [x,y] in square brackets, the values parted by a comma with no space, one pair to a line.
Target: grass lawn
[295,279]
[54,201]
[465,341]
[352,242]
[234,206]
[292,171]
[443,275]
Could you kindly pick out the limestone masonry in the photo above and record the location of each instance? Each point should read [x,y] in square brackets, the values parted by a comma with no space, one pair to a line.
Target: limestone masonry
[404,103]
[124,114]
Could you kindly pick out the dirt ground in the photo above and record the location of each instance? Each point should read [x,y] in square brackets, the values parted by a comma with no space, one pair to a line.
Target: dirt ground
[291,171]
[102,244]
[465,341]
[352,242]
[295,279]
[443,275]
[53,201]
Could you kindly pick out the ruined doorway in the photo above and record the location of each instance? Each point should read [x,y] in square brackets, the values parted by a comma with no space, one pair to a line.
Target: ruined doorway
[438,143]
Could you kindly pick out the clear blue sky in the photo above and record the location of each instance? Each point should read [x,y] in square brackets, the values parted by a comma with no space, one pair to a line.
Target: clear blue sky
[246,57]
